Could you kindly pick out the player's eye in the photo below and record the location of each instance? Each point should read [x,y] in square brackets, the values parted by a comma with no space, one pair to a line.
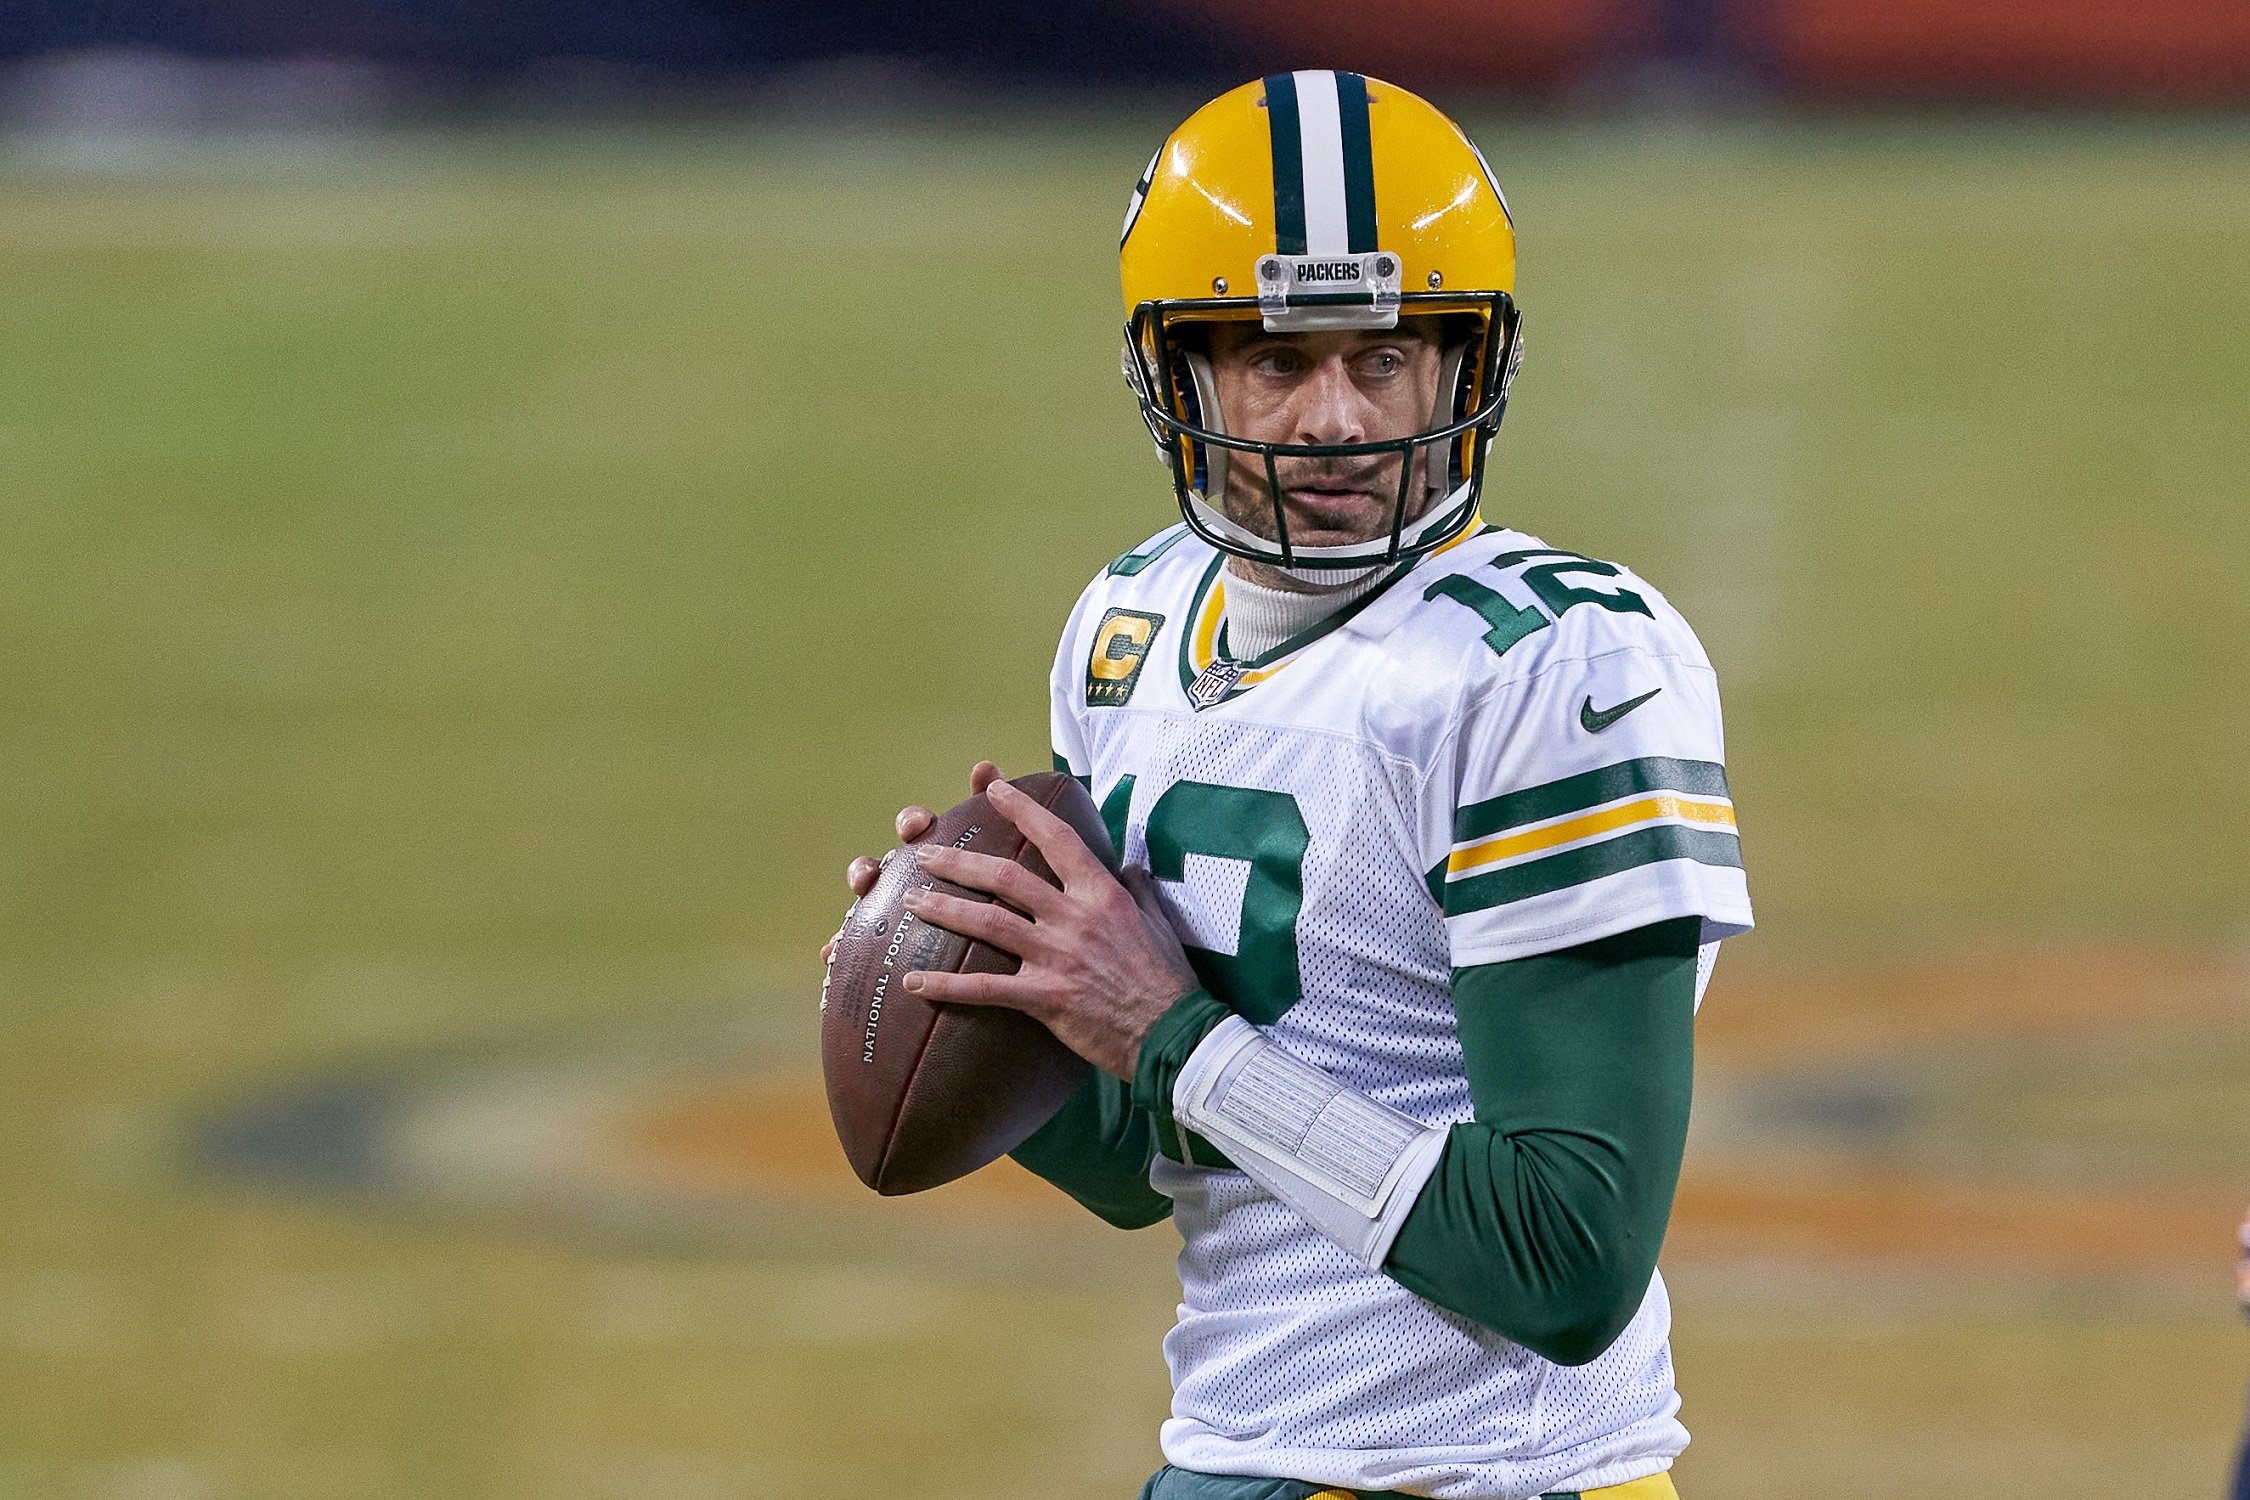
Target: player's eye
[1383,362]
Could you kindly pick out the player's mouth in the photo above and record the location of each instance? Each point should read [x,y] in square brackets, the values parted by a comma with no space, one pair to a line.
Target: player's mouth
[1322,506]
[1323,509]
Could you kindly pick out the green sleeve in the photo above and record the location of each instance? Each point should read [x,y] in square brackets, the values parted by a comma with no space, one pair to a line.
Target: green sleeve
[1097,1149]
[1167,1047]
[1544,1216]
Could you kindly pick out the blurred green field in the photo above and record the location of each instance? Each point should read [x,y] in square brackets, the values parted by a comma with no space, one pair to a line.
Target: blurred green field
[461,588]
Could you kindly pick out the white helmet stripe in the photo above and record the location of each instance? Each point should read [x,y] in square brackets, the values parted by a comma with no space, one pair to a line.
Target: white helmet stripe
[1492,182]
[1320,125]
[1140,196]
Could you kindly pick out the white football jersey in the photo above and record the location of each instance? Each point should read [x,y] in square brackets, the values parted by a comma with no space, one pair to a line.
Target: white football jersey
[1509,750]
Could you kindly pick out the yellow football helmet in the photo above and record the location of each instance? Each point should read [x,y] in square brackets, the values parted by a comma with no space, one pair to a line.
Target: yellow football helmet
[1320,200]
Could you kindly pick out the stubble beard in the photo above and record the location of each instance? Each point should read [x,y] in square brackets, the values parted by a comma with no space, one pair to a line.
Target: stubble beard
[1250,504]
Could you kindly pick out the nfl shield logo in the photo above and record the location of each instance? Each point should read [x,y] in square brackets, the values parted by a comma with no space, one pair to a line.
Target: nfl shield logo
[1216,681]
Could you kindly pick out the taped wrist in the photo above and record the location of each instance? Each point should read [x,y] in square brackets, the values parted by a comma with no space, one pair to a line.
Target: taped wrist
[1350,1166]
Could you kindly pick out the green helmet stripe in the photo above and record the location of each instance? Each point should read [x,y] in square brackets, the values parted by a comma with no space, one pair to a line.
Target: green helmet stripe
[1288,164]
[1359,161]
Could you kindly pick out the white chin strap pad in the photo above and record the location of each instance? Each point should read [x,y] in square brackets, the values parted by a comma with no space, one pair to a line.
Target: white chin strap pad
[1207,402]
[1352,1168]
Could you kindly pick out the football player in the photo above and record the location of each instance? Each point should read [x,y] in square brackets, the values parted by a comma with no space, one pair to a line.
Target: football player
[1428,851]
[2242,1293]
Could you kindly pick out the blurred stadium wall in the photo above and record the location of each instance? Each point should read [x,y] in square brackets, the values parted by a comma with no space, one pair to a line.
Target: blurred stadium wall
[2138,52]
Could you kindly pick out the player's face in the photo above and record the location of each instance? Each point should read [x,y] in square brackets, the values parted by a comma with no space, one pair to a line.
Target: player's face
[1341,387]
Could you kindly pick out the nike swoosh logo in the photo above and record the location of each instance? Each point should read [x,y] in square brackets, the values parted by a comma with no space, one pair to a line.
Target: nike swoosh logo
[1596,720]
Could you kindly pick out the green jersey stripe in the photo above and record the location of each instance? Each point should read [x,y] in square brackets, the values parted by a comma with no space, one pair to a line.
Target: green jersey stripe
[1126,564]
[1288,164]
[1538,877]
[1651,773]
[1295,643]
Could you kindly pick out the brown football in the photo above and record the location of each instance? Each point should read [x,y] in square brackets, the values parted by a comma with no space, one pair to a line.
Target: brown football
[923,1092]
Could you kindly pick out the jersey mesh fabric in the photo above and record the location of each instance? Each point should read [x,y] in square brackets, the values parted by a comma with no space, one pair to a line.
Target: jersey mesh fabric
[1289,1358]
[1371,951]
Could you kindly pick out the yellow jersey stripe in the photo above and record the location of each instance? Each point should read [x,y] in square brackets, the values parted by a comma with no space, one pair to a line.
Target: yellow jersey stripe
[1204,642]
[1475,525]
[1207,624]
[1607,820]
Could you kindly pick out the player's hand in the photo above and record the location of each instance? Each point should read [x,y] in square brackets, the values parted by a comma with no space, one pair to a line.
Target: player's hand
[1100,962]
[911,822]
[2242,1272]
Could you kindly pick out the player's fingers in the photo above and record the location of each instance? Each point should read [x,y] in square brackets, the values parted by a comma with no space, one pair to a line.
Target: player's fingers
[986,921]
[982,775]
[828,950]
[1004,878]
[1067,854]
[1009,990]
[860,875]
[912,822]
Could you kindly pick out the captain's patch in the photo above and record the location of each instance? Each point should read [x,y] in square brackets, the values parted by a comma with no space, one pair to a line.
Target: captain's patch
[1121,645]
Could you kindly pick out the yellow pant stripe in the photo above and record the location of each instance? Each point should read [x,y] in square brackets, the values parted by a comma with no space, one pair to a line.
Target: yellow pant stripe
[1654,1487]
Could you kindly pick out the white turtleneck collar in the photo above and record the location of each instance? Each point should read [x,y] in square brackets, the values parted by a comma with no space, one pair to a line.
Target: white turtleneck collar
[1260,618]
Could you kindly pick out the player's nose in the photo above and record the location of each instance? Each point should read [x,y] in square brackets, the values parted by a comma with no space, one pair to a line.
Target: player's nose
[1331,408]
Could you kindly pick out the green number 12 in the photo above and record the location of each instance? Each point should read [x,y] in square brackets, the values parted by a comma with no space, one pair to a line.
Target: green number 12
[1512,622]
[1259,980]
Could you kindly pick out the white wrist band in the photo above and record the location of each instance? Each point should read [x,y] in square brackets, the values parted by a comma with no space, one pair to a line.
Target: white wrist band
[1350,1166]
